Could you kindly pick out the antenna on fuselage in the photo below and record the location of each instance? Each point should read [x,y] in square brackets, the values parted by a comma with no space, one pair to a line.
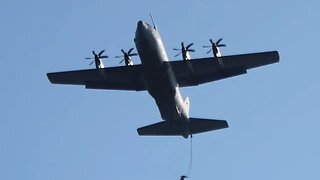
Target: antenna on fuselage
[154,24]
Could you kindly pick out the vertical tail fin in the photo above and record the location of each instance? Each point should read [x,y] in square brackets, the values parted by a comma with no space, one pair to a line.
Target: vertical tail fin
[187,105]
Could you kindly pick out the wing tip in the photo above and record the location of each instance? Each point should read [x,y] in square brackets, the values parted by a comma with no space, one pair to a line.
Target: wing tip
[276,55]
[49,76]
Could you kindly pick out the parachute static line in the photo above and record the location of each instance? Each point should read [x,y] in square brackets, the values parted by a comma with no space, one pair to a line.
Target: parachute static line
[190,162]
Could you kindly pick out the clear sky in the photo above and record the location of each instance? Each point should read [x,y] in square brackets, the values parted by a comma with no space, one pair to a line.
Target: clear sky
[67,132]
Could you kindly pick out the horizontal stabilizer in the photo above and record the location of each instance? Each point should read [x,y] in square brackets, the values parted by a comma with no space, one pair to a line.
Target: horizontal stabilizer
[163,128]
[180,128]
[198,125]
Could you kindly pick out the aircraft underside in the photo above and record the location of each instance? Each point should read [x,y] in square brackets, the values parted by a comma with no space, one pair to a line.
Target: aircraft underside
[163,78]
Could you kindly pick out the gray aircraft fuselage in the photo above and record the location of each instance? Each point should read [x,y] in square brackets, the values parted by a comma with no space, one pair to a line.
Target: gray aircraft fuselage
[159,77]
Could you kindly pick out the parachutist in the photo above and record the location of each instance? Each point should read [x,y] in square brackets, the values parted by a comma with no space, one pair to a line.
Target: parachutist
[183,177]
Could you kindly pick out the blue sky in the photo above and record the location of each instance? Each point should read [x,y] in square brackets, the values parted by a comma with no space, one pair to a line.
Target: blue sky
[67,132]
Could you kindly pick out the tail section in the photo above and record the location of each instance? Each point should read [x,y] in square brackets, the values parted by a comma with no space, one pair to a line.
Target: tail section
[181,128]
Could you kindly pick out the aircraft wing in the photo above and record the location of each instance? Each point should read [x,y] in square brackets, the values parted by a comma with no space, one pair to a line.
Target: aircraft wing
[204,70]
[116,78]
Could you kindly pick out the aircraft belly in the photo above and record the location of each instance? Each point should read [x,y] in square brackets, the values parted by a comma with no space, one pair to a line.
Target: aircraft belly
[159,76]
[160,85]
[167,109]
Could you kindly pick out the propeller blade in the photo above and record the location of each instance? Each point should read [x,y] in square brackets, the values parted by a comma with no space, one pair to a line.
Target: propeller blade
[101,52]
[123,51]
[209,51]
[206,46]
[221,45]
[211,41]
[102,57]
[176,49]
[94,53]
[189,46]
[219,41]
[121,61]
[91,63]
[118,57]
[134,54]
[191,50]
[130,50]
[177,54]
[88,58]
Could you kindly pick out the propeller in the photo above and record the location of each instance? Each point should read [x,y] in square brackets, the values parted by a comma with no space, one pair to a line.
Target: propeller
[127,56]
[184,49]
[214,46]
[96,57]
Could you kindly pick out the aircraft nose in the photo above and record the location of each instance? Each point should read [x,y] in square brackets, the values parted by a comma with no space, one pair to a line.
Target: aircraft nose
[141,28]
[140,23]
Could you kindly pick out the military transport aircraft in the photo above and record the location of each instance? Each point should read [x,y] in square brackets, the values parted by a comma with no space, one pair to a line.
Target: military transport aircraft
[163,78]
